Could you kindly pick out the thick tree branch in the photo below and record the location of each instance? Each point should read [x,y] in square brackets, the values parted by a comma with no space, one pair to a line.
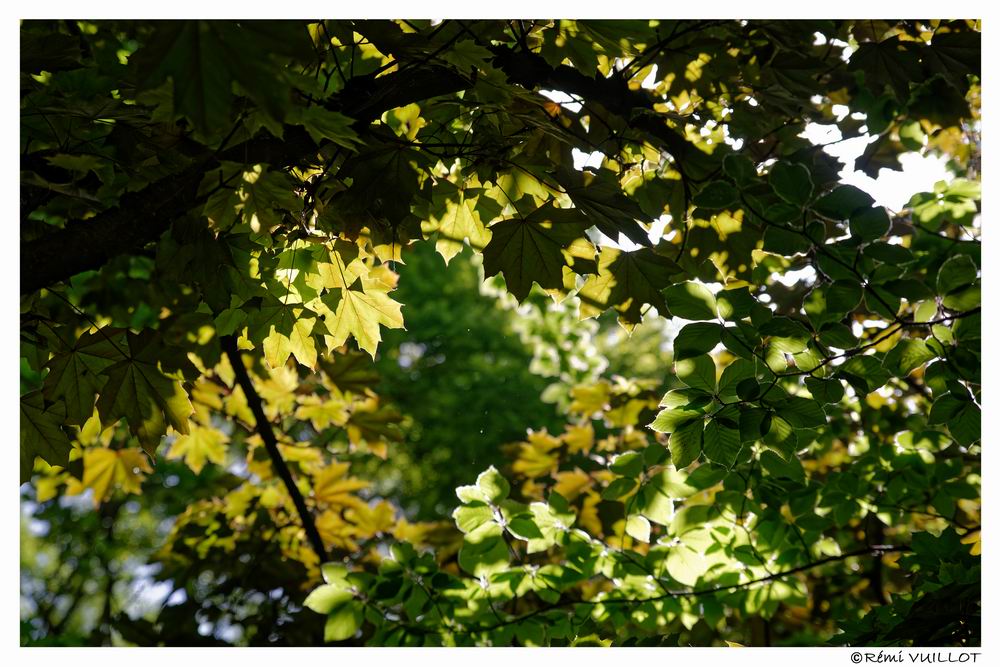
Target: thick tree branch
[271,445]
[142,217]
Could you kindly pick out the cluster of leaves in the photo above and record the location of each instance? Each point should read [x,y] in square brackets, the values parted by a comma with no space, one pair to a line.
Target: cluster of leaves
[211,216]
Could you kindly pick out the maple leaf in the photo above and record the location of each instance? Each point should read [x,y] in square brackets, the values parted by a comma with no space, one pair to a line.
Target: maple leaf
[627,281]
[139,391]
[358,312]
[41,434]
[200,445]
[332,486]
[601,199]
[458,216]
[75,375]
[530,249]
[106,469]
[370,521]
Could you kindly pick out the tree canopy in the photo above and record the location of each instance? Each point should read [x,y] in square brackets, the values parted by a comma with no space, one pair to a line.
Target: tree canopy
[285,285]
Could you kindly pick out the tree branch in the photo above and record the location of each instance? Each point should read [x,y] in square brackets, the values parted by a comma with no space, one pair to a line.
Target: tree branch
[530,70]
[874,550]
[271,445]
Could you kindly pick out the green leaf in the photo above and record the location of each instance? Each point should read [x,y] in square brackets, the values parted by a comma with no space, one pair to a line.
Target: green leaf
[685,443]
[888,253]
[667,421]
[189,53]
[842,202]
[696,338]
[604,205]
[138,391]
[734,304]
[493,485]
[966,425]
[322,124]
[732,376]
[837,335]
[716,195]
[229,321]
[754,423]
[945,408]
[75,375]
[41,433]
[278,345]
[471,516]
[200,445]
[739,168]
[908,355]
[628,281]
[529,250]
[618,488]
[801,412]
[551,520]
[825,391]
[470,494]
[870,224]
[467,55]
[690,300]
[792,182]
[628,464]
[787,335]
[721,443]
[748,389]
[656,497]
[685,565]
[864,373]
[637,526]
[335,573]
[780,437]
[776,466]
[457,216]
[956,274]
[784,242]
[484,551]
[964,299]
[890,63]
[843,296]
[697,372]
[327,598]
[343,622]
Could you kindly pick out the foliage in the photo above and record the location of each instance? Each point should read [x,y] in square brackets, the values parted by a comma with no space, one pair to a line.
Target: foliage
[212,218]
[462,378]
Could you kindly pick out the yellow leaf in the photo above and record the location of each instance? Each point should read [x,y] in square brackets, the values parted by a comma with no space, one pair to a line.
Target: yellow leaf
[588,518]
[359,313]
[332,487]
[532,463]
[370,521]
[47,486]
[590,399]
[323,411]
[106,469]
[579,438]
[335,531]
[974,538]
[570,484]
[200,445]
[278,390]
